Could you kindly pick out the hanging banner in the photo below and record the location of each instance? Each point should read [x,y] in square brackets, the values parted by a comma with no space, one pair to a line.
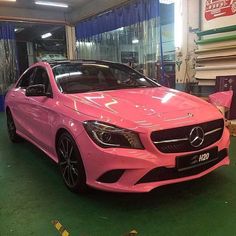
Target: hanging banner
[218,13]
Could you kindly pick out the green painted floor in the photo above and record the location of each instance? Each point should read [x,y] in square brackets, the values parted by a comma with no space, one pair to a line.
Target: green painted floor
[32,194]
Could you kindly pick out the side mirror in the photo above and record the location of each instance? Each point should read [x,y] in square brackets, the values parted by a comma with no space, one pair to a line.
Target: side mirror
[37,90]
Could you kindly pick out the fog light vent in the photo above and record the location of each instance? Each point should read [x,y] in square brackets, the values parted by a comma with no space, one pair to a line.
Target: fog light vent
[111,176]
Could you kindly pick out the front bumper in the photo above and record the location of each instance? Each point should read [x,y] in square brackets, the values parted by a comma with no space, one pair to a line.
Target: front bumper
[128,170]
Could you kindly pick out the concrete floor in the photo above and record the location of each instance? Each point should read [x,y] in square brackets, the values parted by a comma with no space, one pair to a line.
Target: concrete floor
[32,195]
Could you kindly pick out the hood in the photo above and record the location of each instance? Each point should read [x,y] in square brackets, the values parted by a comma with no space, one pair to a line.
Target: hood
[143,107]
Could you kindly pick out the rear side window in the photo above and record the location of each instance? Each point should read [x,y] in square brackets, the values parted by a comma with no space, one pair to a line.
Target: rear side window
[27,79]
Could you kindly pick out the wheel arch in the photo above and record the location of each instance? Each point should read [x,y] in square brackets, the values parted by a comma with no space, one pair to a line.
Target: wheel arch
[59,132]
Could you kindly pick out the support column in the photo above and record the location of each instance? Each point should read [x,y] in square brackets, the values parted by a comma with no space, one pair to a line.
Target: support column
[71,42]
[186,22]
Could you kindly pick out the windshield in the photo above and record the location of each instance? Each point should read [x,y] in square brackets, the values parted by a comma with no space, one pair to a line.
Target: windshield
[90,77]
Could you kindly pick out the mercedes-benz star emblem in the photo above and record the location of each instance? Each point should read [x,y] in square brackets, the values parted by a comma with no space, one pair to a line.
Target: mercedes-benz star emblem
[196,137]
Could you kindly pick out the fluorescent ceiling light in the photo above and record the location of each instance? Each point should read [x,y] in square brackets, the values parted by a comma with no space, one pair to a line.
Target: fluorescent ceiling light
[52,4]
[7,0]
[120,29]
[87,44]
[167,1]
[134,41]
[18,30]
[47,35]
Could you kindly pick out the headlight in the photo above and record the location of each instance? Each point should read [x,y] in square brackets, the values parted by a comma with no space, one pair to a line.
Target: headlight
[106,135]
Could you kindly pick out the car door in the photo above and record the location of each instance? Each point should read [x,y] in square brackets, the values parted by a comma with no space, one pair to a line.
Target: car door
[42,112]
[19,106]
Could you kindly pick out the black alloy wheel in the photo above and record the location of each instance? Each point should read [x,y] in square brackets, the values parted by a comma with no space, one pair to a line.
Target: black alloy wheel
[14,137]
[71,164]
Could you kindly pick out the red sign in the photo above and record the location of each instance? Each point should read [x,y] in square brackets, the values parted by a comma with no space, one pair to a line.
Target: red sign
[219,8]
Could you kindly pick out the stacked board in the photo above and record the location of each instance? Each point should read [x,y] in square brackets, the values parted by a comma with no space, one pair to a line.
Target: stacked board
[216,54]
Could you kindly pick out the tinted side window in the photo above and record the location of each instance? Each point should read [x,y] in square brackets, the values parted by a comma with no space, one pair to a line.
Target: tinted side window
[41,77]
[26,79]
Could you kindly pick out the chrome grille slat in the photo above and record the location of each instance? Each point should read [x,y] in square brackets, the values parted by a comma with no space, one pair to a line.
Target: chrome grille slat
[213,131]
[185,139]
[172,141]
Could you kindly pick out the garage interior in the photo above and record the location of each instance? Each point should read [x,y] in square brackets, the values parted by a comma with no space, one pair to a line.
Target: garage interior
[180,44]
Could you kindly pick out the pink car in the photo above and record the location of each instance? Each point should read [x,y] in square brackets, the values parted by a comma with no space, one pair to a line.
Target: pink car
[111,128]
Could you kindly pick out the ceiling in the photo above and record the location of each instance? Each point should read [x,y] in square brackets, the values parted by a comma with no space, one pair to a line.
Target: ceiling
[27,10]
[31,20]
[29,4]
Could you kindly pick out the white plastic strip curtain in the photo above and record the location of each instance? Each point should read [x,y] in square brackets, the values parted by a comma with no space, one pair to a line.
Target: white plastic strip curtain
[8,61]
[128,34]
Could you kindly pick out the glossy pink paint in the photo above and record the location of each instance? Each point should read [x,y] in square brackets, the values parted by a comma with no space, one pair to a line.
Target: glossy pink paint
[38,120]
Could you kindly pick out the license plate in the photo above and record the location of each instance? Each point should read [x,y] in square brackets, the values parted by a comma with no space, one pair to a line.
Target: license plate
[197,159]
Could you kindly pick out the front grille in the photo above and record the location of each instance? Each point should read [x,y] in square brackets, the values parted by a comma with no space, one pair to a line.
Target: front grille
[163,173]
[176,140]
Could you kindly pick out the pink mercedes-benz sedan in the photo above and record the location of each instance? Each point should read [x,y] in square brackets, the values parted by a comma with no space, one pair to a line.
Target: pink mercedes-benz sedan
[111,128]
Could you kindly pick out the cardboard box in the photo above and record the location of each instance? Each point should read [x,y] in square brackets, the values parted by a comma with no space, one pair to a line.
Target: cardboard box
[232,127]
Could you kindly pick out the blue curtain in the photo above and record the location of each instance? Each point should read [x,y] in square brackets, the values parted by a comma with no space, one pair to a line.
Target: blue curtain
[135,12]
[7,31]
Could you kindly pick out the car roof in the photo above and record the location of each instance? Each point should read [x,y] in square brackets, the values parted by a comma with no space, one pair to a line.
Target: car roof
[80,61]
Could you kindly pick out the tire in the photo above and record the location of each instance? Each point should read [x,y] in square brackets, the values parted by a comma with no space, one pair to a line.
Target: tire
[14,137]
[71,164]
